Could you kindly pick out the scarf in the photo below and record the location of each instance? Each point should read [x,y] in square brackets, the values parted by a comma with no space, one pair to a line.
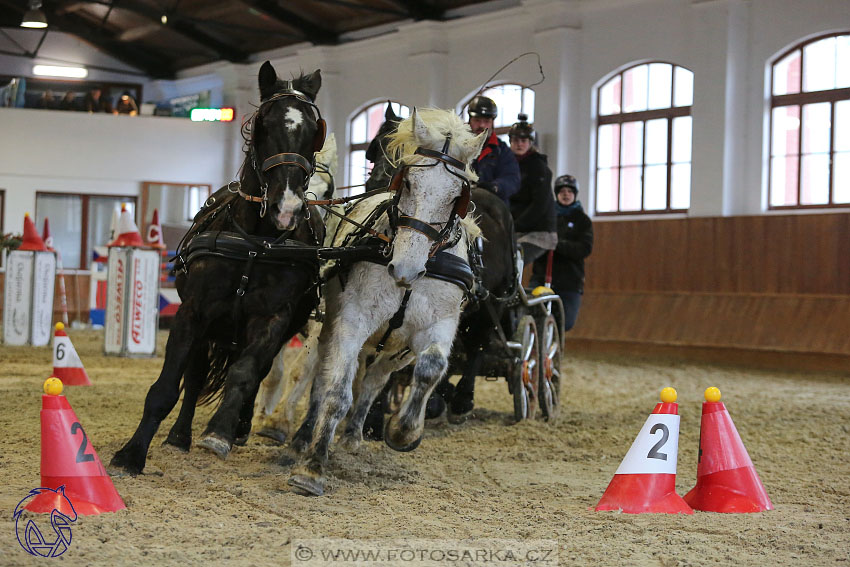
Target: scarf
[493,140]
[569,209]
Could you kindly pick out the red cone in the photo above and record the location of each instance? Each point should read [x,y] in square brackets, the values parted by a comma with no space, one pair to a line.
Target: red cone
[726,479]
[154,235]
[46,236]
[128,232]
[67,365]
[68,458]
[645,482]
[32,241]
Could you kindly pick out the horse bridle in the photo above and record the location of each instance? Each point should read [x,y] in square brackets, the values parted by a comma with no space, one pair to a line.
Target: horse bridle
[440,238]
[286,159]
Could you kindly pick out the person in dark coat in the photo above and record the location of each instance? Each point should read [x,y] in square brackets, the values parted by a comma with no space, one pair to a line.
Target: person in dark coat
[96,102]
[496,166]
[533,206]
[575,243]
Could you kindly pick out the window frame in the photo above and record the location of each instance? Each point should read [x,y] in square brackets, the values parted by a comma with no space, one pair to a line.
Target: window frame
[801,99]
[642,116]
[84,251]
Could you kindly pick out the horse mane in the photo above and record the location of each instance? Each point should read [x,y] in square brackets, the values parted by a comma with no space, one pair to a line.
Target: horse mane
[439,124]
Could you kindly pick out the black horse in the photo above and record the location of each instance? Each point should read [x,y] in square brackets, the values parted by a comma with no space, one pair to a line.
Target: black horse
[244,291]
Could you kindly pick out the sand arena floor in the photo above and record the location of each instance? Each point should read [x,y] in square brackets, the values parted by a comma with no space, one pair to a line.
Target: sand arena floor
[483,479]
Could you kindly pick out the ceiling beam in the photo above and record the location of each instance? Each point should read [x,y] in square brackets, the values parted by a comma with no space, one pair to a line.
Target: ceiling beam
[421,9]
[150,63]
[366,7]
[310,32]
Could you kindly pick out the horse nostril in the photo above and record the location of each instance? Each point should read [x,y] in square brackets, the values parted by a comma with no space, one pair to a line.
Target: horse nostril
[419,275]
[391,270]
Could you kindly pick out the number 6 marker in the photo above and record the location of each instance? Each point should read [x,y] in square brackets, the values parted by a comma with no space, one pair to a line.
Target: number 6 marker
[67,365]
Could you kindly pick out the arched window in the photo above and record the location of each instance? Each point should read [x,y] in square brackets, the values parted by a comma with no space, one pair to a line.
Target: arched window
[362,128]
[510,99]
[643,140]
[810,125]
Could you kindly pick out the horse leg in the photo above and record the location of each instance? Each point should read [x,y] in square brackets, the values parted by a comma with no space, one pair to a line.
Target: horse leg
[162,395]
[271,392]
[242,382]
[438,401]
[403,431]
[373,383]
[310,377]
[462,404]
[180,435]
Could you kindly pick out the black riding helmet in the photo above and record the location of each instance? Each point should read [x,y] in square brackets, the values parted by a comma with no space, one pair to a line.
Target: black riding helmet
[521,129]
[482,107]
[566,181]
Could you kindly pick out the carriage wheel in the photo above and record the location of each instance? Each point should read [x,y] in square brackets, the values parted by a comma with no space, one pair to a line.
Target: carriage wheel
[526,370]
[550,368]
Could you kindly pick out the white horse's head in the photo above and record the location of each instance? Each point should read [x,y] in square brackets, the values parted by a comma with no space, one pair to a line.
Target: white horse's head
[327,162]
[431,186]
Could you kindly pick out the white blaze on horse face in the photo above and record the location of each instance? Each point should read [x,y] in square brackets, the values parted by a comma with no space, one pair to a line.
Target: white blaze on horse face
[293,119]
[289,206]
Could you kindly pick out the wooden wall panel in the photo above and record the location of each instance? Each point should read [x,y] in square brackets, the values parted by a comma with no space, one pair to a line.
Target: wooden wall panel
[759,254]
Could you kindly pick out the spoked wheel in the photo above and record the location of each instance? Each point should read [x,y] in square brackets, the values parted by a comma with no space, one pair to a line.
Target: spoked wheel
[526,370]
[550,368]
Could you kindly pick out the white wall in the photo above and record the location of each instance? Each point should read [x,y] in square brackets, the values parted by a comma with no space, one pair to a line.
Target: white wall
[726,43]
[48,150]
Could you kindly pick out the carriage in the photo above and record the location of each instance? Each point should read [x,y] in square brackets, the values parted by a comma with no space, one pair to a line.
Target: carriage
[526,350]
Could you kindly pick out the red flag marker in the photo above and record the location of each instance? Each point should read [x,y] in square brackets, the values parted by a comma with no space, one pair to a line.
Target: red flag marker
[727,481]
[68,458]
[645,482]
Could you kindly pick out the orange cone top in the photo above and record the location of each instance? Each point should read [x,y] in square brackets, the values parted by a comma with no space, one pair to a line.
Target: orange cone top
[32,241]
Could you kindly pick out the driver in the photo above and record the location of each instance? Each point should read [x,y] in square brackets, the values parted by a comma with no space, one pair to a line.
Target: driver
[496,166]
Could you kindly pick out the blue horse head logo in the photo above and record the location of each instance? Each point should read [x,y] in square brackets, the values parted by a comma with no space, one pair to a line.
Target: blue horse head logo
[31,537]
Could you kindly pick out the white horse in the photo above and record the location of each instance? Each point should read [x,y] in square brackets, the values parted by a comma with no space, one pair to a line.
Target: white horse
[360,302]
[296,377]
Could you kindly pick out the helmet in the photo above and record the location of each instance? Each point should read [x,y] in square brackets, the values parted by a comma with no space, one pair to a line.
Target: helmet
[521,129]
[482,107]
[566,181]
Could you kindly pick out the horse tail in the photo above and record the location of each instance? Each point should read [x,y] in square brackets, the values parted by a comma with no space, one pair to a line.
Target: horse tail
[220,361]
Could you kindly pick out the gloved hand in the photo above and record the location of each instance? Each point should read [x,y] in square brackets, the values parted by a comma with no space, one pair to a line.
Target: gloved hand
[488,185]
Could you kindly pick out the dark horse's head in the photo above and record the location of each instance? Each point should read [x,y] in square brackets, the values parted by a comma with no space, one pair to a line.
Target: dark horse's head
[383,169]
[286,130]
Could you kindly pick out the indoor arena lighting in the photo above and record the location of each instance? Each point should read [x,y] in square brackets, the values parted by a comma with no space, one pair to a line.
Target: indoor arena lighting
[211,115]
[34,17]
[56,71]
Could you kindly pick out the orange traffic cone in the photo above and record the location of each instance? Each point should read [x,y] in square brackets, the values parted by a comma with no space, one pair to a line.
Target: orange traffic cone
[68,459]
[67,365]
[32,241]
[46,237]
[726,478]
[154,235]
[128,232]
[646,479]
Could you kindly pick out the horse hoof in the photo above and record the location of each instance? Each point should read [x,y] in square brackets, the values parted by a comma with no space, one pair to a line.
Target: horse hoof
[458,418]
[305,485]
[215,444]
[169,446]
[388,439]
[349,443]
[181,444]
[299,445]
[286,460]
[123,464]
[241,441]
[273,434]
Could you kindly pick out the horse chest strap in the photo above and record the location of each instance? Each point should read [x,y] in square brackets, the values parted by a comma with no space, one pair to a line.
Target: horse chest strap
[243,282]
[395,321]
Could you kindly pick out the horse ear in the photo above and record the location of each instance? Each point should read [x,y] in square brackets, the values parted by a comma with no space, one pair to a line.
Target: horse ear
[310,84]
[390,115]
[420,131]
[267,79]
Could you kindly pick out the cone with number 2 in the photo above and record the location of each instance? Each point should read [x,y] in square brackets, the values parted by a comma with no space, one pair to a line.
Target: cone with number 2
[645,482]
[67,365]
[726,479]
[68,459]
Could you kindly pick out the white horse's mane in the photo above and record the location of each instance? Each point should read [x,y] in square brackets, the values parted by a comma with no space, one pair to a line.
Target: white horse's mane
[436,124]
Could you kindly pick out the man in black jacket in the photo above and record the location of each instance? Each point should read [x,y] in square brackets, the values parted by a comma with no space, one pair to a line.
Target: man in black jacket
[496,167]
[575,243]
[533,206]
